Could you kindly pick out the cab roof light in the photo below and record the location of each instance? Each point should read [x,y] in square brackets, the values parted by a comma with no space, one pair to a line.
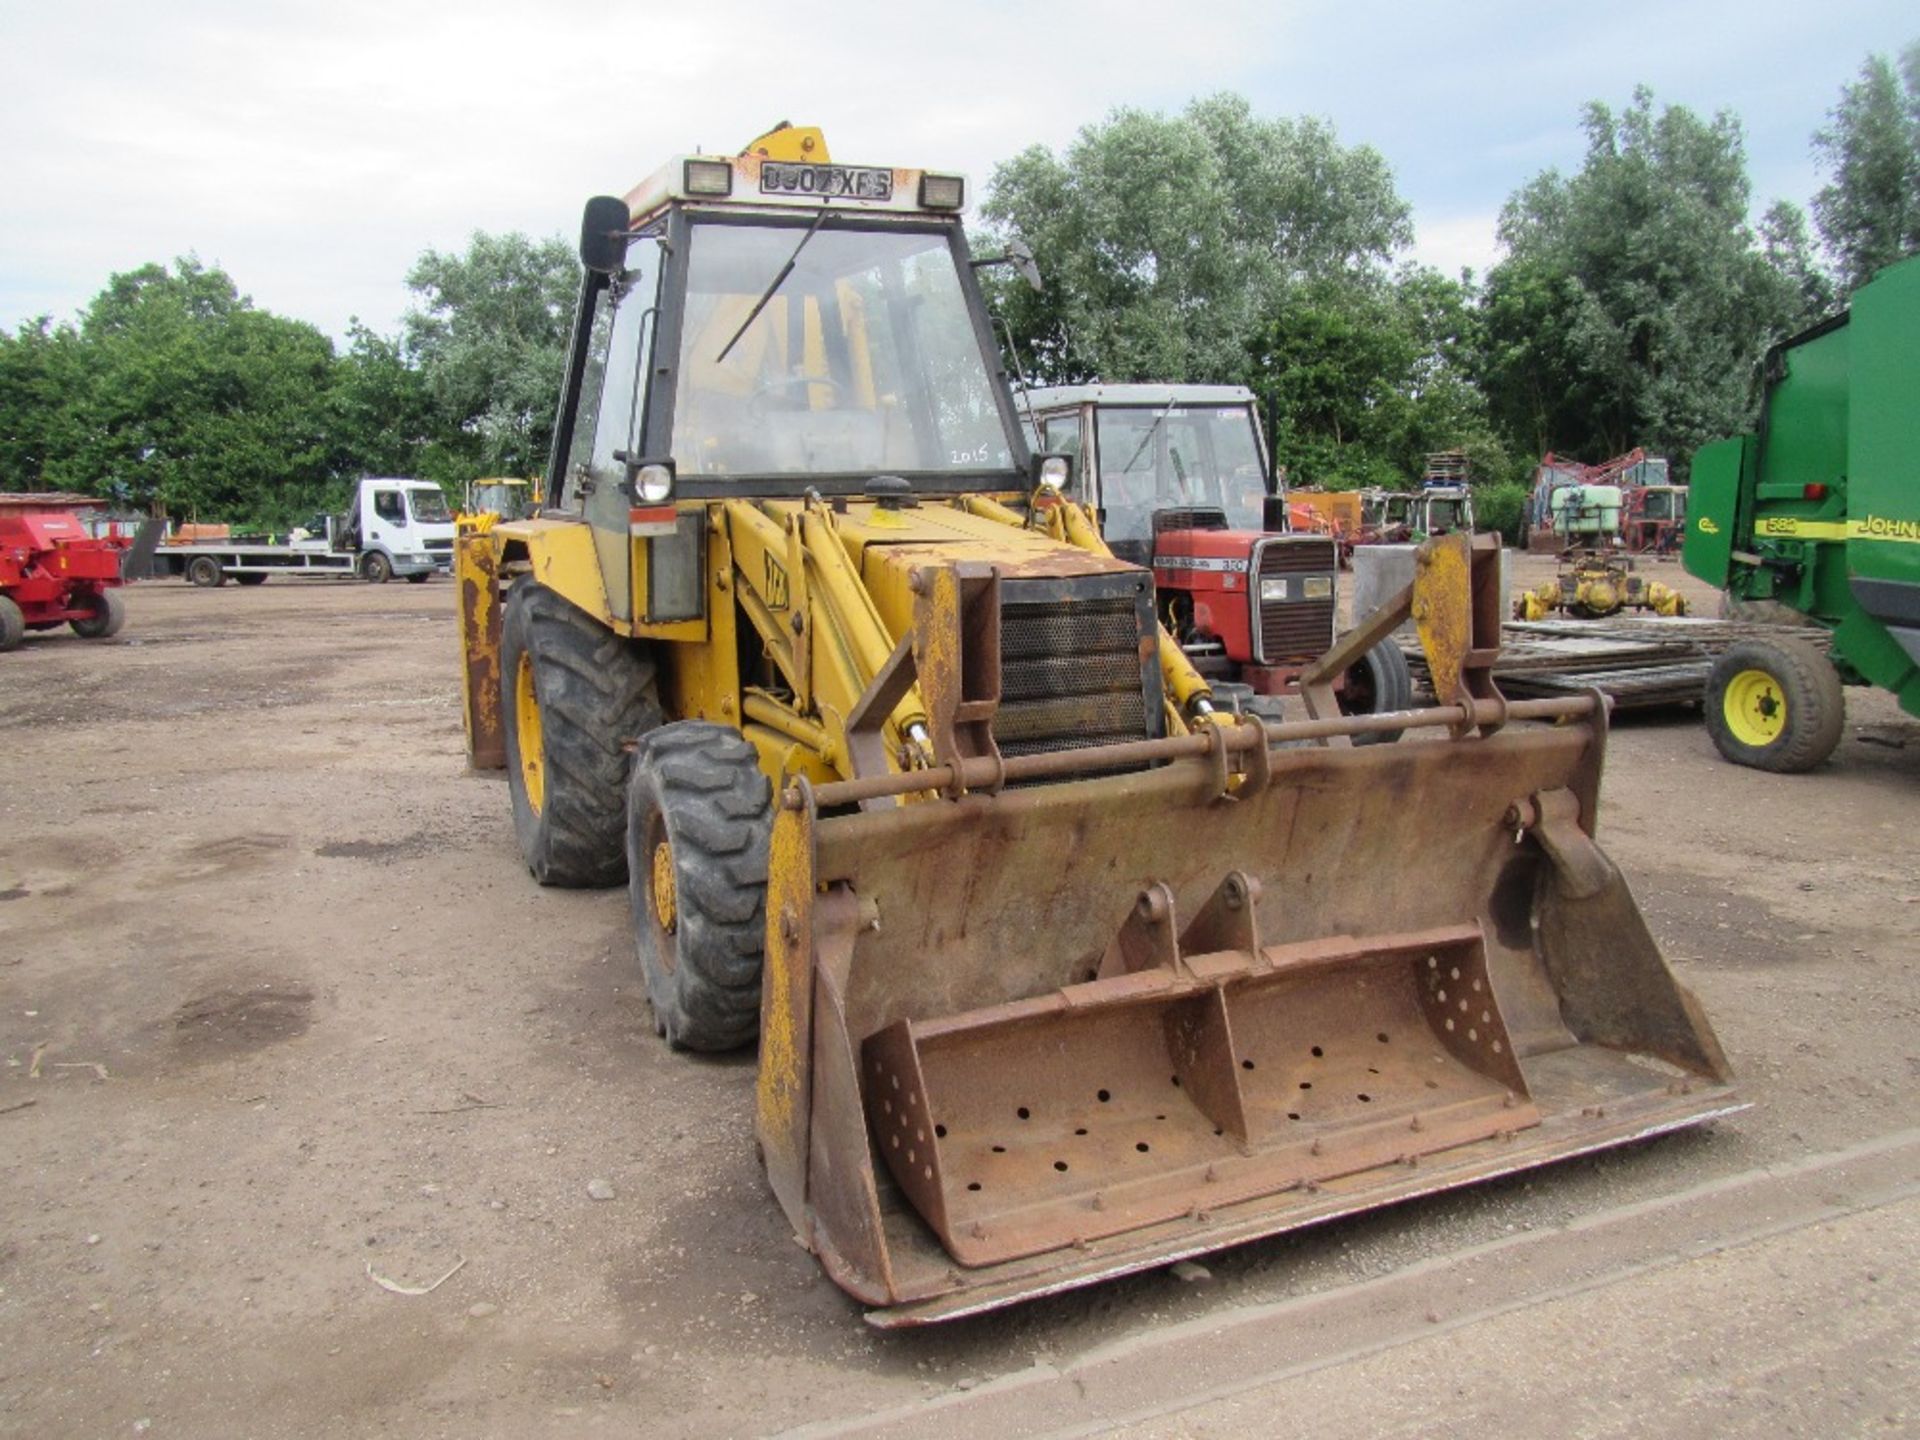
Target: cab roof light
[713,178]
[942,192]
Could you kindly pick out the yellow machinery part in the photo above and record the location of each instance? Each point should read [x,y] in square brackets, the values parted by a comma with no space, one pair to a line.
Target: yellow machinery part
[790,142]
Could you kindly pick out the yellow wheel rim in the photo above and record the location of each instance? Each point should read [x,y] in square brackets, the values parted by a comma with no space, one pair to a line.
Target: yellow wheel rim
[663,891]
[526,713]
[1755,709]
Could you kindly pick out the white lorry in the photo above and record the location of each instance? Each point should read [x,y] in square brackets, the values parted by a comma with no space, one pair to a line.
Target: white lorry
[393,527]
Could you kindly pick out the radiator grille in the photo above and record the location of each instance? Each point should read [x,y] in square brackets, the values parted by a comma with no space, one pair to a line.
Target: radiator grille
[1070,674]
[1297,629]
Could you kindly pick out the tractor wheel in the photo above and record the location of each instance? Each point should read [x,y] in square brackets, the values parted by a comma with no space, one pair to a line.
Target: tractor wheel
[109,614]
[205,571]
[699,817]
[1377,682]
[1775,704]
[13,625]
[376,569]
[574,697]
[256,577]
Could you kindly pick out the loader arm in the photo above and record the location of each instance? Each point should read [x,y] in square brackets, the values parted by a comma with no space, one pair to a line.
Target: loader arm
[823,633]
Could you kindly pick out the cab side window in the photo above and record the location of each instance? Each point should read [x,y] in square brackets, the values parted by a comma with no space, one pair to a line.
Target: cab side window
[390,506]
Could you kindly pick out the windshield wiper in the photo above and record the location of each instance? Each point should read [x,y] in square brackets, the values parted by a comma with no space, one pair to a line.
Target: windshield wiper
[768,294]
[1152,430]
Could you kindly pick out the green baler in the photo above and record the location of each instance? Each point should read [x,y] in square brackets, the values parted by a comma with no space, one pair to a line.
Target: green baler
[1819,513]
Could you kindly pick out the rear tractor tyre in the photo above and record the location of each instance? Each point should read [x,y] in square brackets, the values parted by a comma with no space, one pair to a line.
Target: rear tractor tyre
[13,626]
[205,571]
[699,818]
[255,577]
[376,569]
[1775,704]
[574,697]
[1376,683]
[109,614]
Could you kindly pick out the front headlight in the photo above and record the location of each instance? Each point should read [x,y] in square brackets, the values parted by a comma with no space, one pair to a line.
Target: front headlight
[654,484]
[1054,472]
[1274,587]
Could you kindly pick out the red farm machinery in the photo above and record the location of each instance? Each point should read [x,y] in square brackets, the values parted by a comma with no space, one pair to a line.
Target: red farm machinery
[54,571]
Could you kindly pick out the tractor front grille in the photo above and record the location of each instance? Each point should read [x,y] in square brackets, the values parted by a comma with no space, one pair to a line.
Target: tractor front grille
[1298,627]
[1070,664]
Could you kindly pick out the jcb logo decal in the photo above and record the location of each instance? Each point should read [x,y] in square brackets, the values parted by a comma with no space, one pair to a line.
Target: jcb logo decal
[776,583]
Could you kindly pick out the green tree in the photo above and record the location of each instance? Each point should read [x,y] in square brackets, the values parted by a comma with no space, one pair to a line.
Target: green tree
[41,369]
[1869,211]
[489,335]
[1633,303]
[1170,242]
[175,391]
[380,414]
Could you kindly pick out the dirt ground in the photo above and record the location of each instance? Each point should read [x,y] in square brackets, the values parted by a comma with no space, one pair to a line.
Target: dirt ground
[281,1013]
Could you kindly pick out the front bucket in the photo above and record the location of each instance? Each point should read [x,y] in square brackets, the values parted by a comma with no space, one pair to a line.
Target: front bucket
[1096,1026]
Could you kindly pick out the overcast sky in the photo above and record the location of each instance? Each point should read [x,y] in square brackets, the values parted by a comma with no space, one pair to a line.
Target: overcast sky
[315,150]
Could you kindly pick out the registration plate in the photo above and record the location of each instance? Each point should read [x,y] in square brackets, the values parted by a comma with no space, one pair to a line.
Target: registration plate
[832,182]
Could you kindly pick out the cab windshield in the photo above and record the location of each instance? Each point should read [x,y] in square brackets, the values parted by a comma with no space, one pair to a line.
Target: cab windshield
[864,359]
[430,507]
[1168,457]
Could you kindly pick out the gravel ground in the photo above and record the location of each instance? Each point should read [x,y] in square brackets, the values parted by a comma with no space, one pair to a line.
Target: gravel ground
[282,1015]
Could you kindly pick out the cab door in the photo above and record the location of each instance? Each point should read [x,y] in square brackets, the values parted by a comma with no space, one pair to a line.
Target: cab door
[612,420]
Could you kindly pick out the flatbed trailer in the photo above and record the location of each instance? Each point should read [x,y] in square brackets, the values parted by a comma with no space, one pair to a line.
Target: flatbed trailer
[214,562]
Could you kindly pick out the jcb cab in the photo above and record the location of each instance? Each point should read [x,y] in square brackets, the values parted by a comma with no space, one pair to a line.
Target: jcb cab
[1057,970]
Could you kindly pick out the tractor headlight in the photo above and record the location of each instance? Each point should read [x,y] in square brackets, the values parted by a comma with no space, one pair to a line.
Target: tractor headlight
[1055,471]
[653,484]
[942,192]
[708,177]
[1274,587]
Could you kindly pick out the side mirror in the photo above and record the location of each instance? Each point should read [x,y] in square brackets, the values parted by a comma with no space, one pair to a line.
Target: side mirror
[1021,254]
[603,234]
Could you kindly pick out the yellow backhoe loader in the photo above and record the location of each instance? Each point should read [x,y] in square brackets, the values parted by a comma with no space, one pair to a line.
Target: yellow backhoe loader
[1057,970]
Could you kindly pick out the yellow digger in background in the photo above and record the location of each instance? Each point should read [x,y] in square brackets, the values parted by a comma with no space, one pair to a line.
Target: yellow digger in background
[1057,970]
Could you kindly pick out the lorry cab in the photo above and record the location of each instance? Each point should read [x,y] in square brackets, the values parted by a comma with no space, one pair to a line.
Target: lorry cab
[399,527]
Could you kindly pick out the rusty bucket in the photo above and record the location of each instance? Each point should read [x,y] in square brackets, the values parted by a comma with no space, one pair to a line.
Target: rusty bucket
[1020,1042]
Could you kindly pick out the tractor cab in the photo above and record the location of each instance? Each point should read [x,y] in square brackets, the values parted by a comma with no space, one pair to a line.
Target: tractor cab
[1145,454]
[1178,478]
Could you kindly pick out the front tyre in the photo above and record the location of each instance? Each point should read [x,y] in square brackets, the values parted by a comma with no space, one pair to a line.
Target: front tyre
[574,697]
[13,625]
[699,818]
[109,609]
[1775,704]
[376,569]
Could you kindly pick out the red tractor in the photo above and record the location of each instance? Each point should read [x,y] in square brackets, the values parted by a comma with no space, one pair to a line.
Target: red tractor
[1178,477]
[54,572]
